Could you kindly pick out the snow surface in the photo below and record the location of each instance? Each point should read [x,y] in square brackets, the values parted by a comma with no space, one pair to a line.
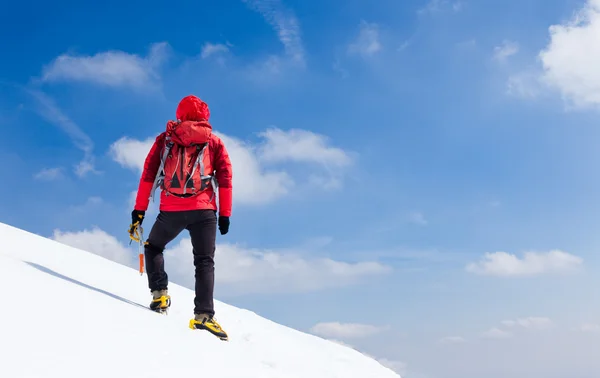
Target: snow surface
[74,314]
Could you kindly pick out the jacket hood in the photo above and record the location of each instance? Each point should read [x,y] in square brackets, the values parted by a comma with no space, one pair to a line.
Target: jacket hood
[191,108]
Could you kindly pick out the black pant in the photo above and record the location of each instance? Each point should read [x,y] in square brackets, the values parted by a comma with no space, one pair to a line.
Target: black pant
[202,226]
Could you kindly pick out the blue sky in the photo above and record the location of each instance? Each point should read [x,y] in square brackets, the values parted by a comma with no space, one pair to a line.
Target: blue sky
[401,140]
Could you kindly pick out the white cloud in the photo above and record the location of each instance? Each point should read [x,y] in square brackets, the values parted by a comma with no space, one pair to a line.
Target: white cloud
[209,49]
[99,242]
[49,174]
[367,43]
[496,333]
[534,323]
[255,183]
[109,68]
[238,270]
[286,26]
[301,146]
[259,270]
[131,153]
[568,63]
[345,330]
[570,60]
[52,113]
[505,50]
[532,263]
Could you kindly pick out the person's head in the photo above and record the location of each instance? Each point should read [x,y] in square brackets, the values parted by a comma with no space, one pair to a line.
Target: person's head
[191,108]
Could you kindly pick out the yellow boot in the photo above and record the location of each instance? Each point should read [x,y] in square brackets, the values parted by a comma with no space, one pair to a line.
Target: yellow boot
[161,301]
[209,323]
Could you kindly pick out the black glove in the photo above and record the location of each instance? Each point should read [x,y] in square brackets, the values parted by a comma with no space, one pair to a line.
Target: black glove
[137,217]
[223,224]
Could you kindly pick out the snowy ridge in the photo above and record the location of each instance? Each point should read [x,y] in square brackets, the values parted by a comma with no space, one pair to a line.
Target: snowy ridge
[75,314]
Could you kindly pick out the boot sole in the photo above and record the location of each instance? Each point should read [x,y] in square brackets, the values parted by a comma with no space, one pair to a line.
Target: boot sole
[202,328]
[162,311]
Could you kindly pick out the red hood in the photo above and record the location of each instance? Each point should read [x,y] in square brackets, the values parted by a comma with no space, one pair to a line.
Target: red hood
[191,108]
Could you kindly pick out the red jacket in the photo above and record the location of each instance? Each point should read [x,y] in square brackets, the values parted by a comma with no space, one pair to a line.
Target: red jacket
[190,108]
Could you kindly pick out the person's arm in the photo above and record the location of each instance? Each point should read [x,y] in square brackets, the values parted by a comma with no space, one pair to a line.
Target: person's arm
[151,165]
[224,177]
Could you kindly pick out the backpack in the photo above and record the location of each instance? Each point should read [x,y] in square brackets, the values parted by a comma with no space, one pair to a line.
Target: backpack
[186,168]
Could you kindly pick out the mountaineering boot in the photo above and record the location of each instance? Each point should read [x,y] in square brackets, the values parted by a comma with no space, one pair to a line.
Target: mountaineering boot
[207,322]
[161,301]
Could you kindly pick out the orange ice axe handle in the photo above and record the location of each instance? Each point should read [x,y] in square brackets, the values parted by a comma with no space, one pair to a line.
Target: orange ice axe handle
[141,264]
[141,251]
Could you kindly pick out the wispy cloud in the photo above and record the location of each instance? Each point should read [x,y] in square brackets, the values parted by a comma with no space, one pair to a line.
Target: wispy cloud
[504,264]
[367,43]
[209,49]
[436,6]
[505,50]
[47,108]
[49,174]
[508,328]
[339,330]
[525,84]
[496,333]
[285,24]
[109,68]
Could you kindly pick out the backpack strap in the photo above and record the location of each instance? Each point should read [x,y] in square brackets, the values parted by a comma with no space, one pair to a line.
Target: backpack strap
[160,174]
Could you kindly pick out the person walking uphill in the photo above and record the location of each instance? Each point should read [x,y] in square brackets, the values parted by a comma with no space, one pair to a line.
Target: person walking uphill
[191,166]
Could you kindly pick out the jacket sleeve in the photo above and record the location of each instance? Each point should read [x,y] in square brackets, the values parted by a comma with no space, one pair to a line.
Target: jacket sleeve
[224,177]
[151,165]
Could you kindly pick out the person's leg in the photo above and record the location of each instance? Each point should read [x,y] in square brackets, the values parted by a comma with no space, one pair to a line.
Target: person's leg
[203,232]
[166,228]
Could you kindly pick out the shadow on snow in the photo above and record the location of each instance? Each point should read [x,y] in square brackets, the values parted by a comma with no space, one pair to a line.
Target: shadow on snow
[69,279]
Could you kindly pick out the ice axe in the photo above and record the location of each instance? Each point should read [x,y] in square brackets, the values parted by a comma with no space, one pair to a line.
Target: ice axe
[138,236]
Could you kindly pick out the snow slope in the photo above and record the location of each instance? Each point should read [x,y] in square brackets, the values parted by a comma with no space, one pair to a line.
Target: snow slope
[74,314]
